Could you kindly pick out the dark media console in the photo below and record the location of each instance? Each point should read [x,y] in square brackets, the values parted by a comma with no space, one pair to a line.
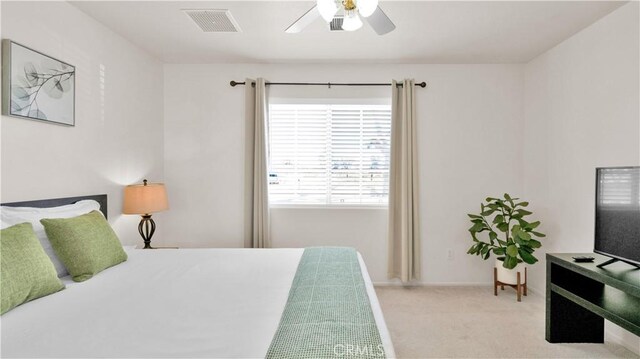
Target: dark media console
[580,296]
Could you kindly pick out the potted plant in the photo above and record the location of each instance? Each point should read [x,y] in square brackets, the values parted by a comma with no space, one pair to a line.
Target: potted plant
[508,235]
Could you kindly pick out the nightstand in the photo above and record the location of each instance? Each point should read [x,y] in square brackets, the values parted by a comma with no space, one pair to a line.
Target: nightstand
[138,247]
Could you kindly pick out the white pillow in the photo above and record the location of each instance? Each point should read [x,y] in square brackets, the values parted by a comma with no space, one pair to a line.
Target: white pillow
[10,216]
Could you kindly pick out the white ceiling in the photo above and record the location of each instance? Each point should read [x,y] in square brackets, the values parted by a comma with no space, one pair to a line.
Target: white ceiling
[427,31]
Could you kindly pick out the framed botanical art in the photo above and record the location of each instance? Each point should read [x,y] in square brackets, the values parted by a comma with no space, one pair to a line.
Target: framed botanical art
[37,86]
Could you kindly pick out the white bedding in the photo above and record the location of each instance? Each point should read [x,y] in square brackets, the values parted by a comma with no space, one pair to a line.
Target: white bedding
[215,303]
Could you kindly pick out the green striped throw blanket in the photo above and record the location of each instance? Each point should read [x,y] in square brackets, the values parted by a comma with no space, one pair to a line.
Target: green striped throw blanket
[328,313]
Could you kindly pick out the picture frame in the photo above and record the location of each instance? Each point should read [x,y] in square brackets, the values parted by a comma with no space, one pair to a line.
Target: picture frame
[36,86]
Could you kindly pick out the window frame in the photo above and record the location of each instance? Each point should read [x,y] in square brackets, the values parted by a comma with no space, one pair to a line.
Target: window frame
[333,101]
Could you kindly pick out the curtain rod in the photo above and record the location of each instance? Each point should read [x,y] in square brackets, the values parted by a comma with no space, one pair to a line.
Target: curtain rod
[328,84]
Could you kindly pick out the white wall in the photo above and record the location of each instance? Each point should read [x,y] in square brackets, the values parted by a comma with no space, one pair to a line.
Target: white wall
[470,127]
[118,135]
[582,110]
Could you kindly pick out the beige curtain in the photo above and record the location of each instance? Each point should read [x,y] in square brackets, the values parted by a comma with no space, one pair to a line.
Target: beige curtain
[404,231]
[256,231]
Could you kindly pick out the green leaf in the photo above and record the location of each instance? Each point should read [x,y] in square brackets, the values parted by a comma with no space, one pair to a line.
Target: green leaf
[484,250]
[487,212]
[534,244]
[486,255]
[502,243]
[527,257]
[533,225]
[510,262]
[512,250]
[524,212]
[477,227]
[524,236]
[526,248]
[503,227]
[538,234]
[499,218]
[493,235]
[515,229]
[499,251]
[522,204]
[474,216]
[508,198]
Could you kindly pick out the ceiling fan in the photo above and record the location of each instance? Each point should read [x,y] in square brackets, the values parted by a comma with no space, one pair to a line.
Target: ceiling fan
[345,15]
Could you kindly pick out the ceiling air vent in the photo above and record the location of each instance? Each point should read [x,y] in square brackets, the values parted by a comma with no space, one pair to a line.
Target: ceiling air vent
[214,20]
[336,24]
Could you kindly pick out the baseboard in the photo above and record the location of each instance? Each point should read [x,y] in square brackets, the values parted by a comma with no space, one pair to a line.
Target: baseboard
[447,284]
[436,284]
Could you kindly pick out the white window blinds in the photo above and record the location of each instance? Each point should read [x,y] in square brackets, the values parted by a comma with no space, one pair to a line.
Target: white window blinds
[329,154]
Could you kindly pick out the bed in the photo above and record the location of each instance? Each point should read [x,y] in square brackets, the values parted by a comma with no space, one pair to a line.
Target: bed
[214,303]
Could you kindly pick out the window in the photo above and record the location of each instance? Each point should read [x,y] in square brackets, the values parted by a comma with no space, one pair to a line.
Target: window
[329,154]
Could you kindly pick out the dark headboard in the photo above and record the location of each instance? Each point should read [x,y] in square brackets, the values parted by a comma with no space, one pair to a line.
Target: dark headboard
[44,203]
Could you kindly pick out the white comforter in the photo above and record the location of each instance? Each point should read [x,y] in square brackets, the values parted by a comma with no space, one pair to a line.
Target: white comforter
[215,303]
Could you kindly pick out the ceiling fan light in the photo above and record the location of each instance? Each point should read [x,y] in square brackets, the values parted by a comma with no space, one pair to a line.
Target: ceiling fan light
[366,8]
[327,9]
[351,22]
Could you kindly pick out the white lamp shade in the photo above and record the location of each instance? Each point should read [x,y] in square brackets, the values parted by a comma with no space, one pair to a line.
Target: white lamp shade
[327,9]
[366,8]
[145,199]
[352,22]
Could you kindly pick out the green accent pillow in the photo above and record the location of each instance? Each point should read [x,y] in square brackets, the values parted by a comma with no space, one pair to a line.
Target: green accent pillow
[27,272]
[86,244]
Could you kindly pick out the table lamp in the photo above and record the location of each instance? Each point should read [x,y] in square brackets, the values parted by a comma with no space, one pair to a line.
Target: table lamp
[145,199]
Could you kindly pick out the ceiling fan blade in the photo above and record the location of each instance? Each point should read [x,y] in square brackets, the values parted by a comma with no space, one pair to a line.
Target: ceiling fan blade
[380,22]
[304,21]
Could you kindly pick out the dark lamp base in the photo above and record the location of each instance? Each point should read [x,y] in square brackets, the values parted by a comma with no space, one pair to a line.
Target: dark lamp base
[146,228]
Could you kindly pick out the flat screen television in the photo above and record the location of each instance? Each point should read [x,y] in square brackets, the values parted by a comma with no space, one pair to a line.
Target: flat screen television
[617,232]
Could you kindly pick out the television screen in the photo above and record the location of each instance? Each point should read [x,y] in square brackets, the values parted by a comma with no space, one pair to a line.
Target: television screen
[617,231]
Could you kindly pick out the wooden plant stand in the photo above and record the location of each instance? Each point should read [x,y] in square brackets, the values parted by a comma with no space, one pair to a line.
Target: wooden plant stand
[520,288]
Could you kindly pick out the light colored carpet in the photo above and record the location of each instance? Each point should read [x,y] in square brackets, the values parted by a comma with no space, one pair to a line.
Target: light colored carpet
[469,322]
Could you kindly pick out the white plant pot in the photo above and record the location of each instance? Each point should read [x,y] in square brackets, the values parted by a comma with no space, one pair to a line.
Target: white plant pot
[510,276]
